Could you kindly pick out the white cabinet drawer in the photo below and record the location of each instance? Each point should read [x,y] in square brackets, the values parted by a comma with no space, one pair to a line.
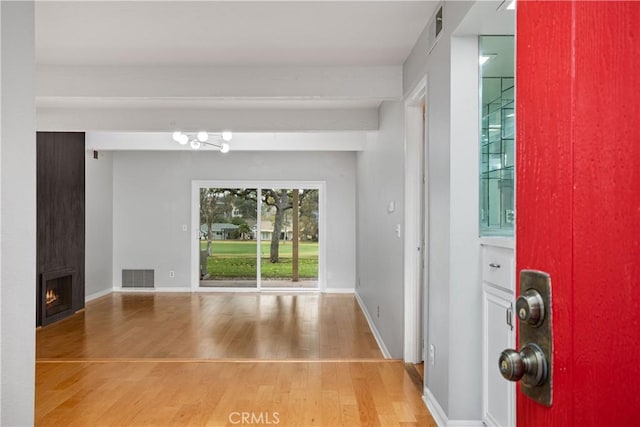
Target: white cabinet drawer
[497,266]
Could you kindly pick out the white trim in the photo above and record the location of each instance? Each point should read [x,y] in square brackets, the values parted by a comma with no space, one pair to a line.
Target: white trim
[185,289]
[242,141]
[194,232]
[258,239]
[339,291]
[440,417]
[213,290]
[499,242]
[414,245]
[290,291]
[196,185]
[465,423]
[216,289]
[438,414]
[98,294]
[376,334]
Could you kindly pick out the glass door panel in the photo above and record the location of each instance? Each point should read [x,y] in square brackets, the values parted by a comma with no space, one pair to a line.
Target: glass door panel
[289,234]
[228,240]
[497,136]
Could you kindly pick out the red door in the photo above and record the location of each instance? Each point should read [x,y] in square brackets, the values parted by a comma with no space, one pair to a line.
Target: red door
[578,201]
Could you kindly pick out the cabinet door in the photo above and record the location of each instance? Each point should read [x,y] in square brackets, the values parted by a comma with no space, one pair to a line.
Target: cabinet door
[498,400]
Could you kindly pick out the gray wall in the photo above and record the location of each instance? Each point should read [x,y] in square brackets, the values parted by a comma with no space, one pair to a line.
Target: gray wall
[380,250]
[99,223]
[17,213]
[152,201]
[454,292]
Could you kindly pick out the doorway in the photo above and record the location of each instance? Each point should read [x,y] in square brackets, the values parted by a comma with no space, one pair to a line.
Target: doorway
[416,212]
[257,235]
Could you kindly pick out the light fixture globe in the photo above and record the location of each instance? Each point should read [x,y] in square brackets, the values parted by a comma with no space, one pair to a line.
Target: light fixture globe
[203,136]
[203,139]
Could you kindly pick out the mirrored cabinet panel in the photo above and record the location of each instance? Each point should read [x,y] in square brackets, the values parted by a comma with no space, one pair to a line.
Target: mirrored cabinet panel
[497,135]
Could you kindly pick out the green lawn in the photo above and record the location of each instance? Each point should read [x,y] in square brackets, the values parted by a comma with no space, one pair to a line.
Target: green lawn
[237,259]
[247,248]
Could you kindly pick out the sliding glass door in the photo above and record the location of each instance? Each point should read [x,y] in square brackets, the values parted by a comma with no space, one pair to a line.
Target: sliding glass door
[289,234]
[228,244]
[279,248]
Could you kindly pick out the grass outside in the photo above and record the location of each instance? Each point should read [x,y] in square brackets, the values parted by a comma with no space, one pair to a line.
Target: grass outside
[234,259]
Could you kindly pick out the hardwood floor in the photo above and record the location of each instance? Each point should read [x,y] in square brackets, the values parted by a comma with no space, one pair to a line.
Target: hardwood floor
[220,360]
[212,326]
[217,393]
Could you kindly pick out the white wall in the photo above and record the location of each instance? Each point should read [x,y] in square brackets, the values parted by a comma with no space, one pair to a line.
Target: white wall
[380,250]
[18,213]
[152,201]
[465,290]
[98,270]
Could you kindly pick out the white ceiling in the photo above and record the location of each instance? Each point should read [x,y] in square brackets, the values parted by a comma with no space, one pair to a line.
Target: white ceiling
[253,66]
[238,33]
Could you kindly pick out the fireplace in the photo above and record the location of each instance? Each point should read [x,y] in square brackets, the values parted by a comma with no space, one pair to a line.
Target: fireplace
[56,296]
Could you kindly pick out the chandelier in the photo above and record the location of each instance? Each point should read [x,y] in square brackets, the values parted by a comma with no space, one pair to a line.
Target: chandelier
[200,139]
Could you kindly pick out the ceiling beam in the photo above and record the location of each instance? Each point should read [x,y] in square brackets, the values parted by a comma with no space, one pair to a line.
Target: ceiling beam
[300,83]
[238,120]
[291,141]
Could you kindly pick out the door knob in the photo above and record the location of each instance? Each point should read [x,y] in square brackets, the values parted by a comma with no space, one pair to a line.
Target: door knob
[530,307]
[528,365]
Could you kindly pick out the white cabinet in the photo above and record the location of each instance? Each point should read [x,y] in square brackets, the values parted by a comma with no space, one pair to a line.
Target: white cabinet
[498,330]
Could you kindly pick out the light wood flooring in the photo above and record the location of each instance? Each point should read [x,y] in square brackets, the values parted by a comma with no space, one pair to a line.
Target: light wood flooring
[220,360]
[212,326]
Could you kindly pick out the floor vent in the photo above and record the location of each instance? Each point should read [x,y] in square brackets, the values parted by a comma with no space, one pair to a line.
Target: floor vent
[138,279]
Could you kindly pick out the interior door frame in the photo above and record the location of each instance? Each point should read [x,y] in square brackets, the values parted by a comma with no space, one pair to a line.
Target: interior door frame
[416,224]
[197,185]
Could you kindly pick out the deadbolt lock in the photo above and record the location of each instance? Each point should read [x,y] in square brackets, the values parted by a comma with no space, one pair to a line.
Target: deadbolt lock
[528,365]
[532,365]
[530,307]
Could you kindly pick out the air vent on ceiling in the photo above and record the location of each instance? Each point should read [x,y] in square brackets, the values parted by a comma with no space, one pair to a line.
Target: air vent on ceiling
[138,278]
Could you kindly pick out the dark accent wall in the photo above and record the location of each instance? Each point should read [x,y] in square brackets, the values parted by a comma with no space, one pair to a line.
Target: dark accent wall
[60,210]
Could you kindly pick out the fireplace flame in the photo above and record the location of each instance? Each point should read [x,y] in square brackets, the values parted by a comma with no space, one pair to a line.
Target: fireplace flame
[51,296]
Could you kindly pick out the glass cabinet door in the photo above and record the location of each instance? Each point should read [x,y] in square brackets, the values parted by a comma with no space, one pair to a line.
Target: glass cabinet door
[497,135]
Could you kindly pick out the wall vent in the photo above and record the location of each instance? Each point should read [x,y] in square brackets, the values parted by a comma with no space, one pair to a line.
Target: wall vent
[138,278]
[435,27]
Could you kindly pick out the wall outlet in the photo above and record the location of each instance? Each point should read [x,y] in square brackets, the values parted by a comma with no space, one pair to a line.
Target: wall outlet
[432,354]
[172,273]
[184,227]
[378,314]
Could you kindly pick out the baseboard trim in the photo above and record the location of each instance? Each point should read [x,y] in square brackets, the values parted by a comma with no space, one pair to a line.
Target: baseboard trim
[439,415]
[152,290]
[465,423]
[97,295]
[434,407]
[376,334]
[339,291]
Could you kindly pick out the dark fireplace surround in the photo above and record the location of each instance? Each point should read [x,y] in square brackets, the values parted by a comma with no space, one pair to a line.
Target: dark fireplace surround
[60,243]
[56,295]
